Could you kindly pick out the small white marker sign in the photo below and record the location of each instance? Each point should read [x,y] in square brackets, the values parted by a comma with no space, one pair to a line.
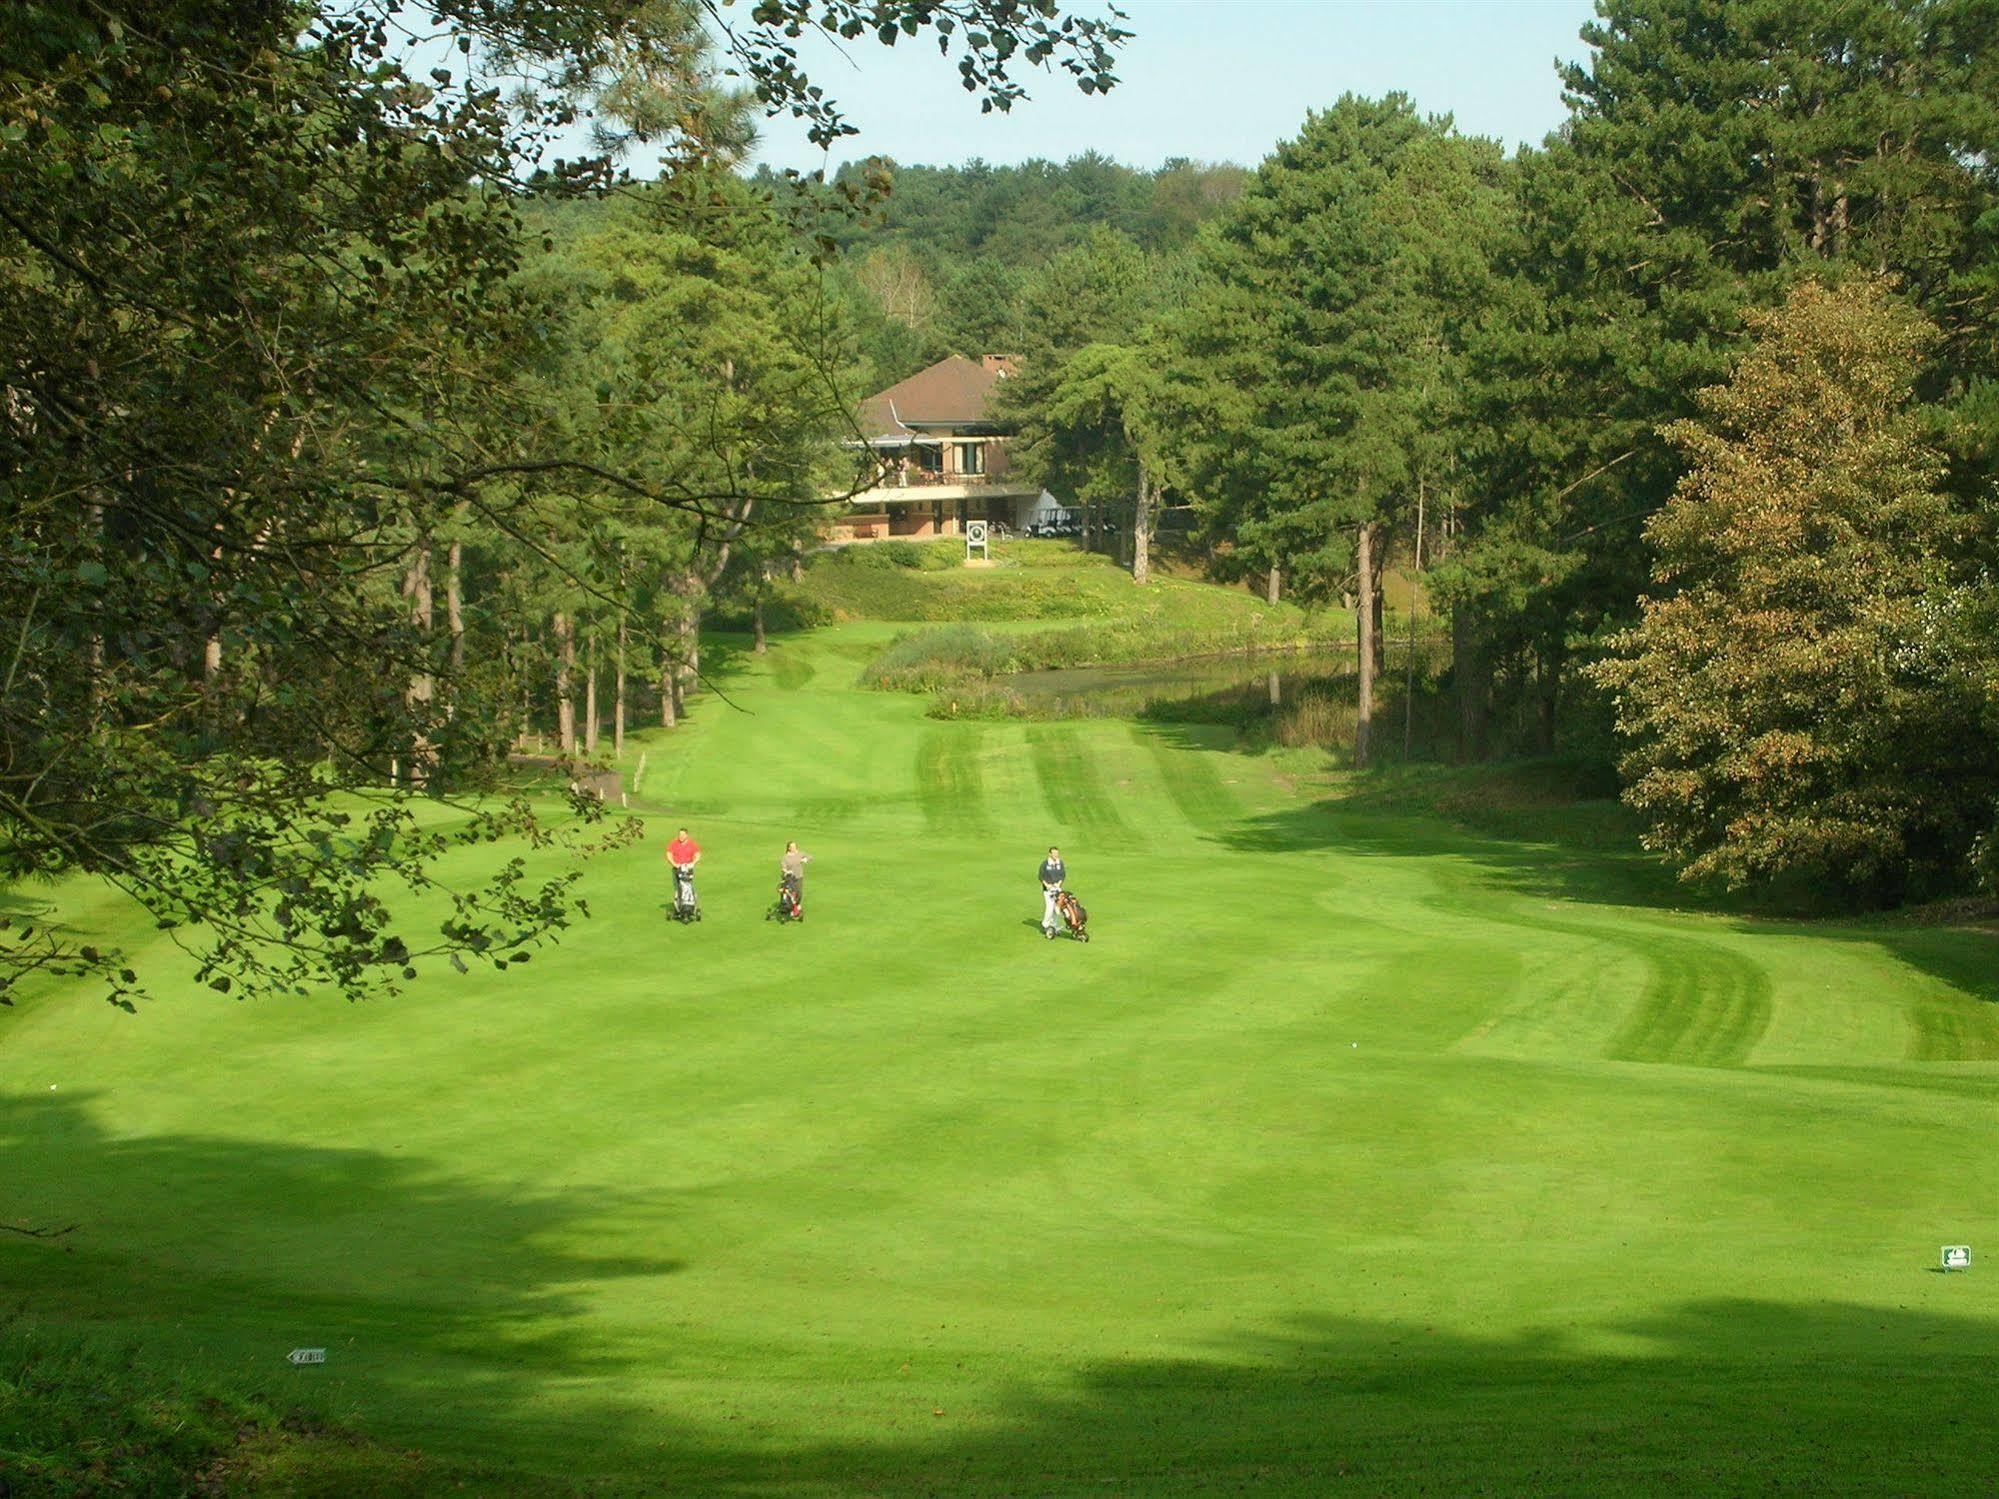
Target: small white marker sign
[307,1355]
[1957,1256]
[975,539]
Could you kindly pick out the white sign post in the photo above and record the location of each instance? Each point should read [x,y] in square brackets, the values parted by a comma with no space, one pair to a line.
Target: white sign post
[1957,1257]
[975,540]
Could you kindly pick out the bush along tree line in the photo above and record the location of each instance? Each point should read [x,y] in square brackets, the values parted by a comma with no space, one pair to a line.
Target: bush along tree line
[335,451]
[1687,421]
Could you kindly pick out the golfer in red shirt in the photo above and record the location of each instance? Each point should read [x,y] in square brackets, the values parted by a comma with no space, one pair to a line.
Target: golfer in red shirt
[683,854]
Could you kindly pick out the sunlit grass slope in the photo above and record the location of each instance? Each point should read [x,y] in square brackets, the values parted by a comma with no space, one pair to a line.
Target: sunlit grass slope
[1355,1154]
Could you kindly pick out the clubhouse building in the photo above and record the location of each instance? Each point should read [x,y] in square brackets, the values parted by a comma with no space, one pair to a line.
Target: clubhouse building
[938,457]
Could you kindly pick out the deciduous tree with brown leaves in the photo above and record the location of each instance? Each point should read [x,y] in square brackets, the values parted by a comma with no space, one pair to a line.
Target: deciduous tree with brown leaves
[1800,711]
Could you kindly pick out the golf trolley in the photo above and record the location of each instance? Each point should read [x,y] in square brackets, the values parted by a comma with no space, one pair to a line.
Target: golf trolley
[1074,917]
[686,904]
[790,904]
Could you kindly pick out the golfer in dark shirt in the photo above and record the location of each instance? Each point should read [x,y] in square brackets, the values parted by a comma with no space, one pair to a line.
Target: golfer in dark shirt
[1052,873]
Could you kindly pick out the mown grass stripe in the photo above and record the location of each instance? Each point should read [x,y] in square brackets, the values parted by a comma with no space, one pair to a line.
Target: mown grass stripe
[1702,1006]
[1190,779]
[950,783]
[1952,1028]
[791,668]
[1072,783]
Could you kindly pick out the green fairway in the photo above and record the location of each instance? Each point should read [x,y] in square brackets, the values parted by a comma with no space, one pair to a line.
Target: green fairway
[1356,1153]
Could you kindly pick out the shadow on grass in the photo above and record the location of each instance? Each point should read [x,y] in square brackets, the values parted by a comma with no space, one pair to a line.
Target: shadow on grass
[439,1295]
[725,656]
[41,912]
[1596,864]
[1545,831]
[424,1287]
[1723,1396]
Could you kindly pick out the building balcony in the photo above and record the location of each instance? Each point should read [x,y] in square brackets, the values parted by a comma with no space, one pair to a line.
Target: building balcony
[921,478]
[922,488]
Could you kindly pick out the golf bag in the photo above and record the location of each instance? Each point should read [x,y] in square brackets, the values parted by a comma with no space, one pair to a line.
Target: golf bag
[1074,917]
[686,904]
[790,901]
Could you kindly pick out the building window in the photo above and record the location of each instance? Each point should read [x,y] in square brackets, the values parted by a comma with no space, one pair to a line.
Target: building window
[930,459]
[971,458]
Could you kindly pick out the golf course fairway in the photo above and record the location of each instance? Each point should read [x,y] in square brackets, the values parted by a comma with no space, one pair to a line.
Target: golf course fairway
[1356,1153]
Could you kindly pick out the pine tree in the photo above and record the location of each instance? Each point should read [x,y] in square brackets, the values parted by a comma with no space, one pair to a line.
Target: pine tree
[1310,367]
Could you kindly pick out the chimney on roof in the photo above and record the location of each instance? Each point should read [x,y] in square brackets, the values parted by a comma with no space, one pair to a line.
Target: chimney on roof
[997,364]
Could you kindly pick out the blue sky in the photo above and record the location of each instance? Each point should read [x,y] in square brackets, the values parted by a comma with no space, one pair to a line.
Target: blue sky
[1216,80]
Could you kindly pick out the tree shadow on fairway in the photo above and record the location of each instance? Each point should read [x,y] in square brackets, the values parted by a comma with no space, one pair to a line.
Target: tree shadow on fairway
[725,656]
[463,1307]
[1481,873]
[1718,1396]
[1551,865]
[24,911]
[428,1291]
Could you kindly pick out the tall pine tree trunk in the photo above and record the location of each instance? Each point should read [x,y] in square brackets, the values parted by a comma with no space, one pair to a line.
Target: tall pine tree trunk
[590,695]
[690,654]
[422,686]
[669,690]
[683,663]
[618,690]
[1274,586]
[1365,625]
[454,603]
[1415,597]
[1141,529]
[757,610]
[565,673]
[1376,593]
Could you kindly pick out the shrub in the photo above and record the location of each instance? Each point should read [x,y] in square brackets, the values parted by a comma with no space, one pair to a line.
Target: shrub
[1315,720]
[786,607]
[917,556]
[984,700]
[929,659]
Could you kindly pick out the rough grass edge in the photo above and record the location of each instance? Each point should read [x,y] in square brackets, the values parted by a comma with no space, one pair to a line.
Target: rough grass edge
[82,1416]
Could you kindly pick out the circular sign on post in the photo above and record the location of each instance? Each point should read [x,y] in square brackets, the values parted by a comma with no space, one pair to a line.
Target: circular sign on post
[975,538]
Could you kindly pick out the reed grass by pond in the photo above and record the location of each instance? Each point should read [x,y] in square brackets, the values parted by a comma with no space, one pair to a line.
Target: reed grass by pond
[1306,699]
[926,660]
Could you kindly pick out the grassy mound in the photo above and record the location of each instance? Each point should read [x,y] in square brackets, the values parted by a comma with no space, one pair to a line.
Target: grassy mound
[1115,620]
[1030,580]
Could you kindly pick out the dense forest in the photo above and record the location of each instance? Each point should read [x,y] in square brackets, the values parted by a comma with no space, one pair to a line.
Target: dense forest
[977,259]
[348,434]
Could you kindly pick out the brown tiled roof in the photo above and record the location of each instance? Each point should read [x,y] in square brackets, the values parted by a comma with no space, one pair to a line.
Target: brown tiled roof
[952,392]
